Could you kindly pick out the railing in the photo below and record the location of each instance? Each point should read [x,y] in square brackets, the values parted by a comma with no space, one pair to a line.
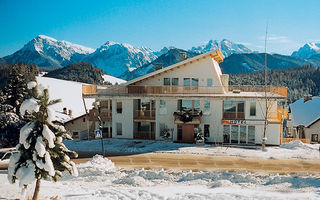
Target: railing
[282,91]
[147,135]
[234,115]
[136,89]
[145,114]
[304,140]
[105,115]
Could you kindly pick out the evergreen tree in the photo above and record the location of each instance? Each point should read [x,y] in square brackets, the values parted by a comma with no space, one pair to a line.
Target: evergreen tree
[42,155]
[10,123]
[16,89]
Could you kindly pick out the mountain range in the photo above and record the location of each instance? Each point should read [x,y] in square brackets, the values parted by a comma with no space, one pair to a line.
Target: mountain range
[128,62]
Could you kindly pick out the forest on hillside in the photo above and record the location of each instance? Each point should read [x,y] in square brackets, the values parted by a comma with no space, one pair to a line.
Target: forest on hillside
[300,80]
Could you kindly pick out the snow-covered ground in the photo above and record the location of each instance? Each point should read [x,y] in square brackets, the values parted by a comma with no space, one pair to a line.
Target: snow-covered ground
[292,150]
[100,179]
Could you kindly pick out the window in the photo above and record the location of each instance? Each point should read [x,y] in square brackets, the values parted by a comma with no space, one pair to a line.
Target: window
[162,107]
[166,81]
[186,82]
[233,109]
[251,134]
[234,133]
[209,82]
[119,128]
[252,108]
[314,138]
[226,133]
[175,81]
[206,107]
[119,107]
[162,127]
[206,130]
[195,82]
[188,104]
[75,134]
[243,134]
[84,119]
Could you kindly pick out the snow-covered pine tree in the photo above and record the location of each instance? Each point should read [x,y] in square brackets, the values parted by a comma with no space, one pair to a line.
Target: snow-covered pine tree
[10,123]
[42,155]
[16,89]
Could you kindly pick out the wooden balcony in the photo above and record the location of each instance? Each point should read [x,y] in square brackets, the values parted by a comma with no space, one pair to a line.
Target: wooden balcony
[195,117]
[105,115]
[282,91]
[146,135]
[144,115]
[135,89]
[234,115]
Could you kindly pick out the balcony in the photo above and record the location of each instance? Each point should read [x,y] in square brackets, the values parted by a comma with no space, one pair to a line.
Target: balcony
[187,117]
[105,115]
[282,91]
[234,115]
[144,115]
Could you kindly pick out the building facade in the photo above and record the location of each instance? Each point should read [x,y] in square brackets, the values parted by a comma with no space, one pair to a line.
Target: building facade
[177,102]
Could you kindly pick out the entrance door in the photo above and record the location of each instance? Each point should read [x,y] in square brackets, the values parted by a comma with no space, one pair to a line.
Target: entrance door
[188,133]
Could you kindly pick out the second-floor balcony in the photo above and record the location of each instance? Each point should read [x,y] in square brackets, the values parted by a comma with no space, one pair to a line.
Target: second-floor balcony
[144,115]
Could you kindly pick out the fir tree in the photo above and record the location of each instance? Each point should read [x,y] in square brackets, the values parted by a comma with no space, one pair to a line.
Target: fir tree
[42,155]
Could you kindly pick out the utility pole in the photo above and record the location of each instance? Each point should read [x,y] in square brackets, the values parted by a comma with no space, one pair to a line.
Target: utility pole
[263,143]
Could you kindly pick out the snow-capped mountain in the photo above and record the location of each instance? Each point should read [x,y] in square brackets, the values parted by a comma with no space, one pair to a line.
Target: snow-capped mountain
[47,51]
[227,47]
[308,50]
[120,58]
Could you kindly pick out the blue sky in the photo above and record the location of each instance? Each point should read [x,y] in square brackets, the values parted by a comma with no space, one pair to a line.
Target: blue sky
[158,23]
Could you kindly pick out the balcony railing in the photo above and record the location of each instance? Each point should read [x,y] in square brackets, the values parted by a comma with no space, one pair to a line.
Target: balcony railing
[147,135]
[136,89]
[144,114]
[233,115]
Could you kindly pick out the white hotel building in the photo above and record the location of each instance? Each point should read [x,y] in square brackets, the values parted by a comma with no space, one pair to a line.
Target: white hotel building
[183,98]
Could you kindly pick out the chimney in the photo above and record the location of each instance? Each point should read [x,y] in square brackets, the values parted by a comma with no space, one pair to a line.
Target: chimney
[70,113]
[183,56]
[307,98]
[64,110]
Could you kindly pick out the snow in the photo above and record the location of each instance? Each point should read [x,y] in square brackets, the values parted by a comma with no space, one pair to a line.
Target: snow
[30,105]
[26,174]
[69,92]
[98,182]
[12,165]
[31,85]
[24,134]
[113,80]
[304,113]
[48,165]
[292,150]
[40,147]
[48,135]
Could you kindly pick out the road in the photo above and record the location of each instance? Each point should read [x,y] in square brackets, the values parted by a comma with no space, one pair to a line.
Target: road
[209,163]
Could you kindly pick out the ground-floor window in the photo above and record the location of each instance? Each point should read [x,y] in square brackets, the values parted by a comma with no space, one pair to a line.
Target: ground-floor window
[314,138]
[206,130]
[251,134]
[239,134]
[119,128]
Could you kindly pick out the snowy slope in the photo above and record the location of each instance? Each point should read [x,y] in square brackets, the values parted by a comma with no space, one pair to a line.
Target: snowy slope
[226,46]
[120,58]
[113,80]
[303,113]
[47,51]
[308,50]
[69,92]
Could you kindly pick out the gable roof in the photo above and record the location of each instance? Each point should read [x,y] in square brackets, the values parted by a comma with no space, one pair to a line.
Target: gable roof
[315,121]
[305,113]
[216,55]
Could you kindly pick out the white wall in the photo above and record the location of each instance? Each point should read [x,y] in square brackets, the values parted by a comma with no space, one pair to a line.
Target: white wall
[314,129]
[202,69]
[126,118]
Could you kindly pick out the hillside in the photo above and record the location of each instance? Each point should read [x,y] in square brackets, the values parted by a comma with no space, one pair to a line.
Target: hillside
[300,81]
[80,72]
[248,63]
